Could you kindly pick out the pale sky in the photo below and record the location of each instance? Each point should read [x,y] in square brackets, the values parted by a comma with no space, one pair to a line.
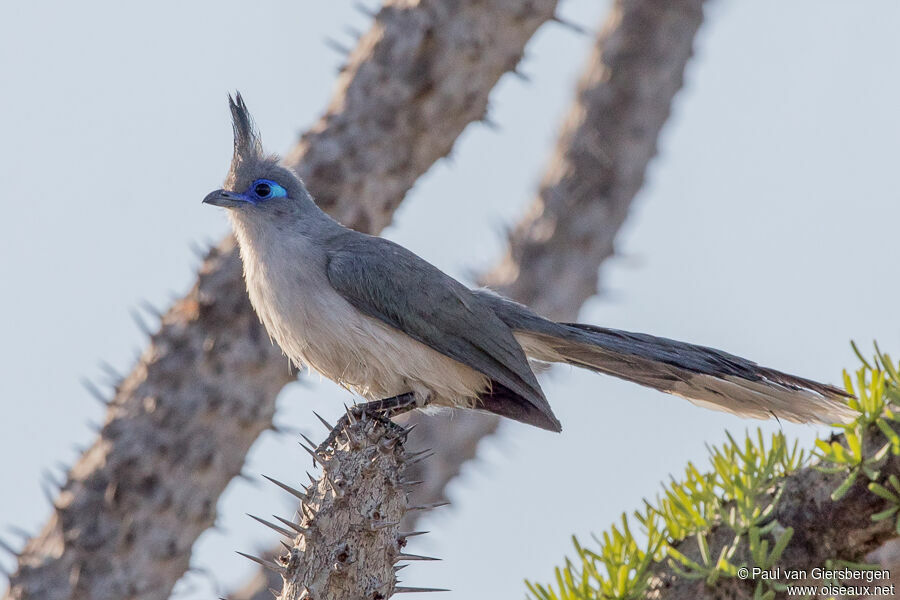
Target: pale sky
[766,228]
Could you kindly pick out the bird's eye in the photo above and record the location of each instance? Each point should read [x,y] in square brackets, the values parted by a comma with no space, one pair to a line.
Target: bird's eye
[266,189]
[263,190]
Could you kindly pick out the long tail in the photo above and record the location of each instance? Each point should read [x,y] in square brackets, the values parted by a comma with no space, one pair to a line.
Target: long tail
[705,376]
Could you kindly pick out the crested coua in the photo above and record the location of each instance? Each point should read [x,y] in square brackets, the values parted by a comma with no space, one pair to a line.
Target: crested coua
[384,323]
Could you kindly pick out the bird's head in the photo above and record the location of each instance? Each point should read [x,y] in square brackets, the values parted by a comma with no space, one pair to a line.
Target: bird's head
[256,184]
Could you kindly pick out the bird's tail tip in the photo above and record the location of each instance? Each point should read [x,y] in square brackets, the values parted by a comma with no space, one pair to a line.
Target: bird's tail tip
[765,399]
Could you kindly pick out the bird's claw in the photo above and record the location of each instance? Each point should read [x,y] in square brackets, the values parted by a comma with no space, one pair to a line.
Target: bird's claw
[379,410]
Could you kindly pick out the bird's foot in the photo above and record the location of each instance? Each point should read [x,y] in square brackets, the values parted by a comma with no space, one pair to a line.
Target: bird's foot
[377,410]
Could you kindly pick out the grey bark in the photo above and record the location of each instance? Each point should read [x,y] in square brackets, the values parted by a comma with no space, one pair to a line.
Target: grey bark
[453,440]
[180,424]
[420,75]
[610,134]
[623,98]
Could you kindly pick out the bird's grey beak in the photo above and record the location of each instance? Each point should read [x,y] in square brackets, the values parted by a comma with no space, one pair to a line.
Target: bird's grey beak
[225,199]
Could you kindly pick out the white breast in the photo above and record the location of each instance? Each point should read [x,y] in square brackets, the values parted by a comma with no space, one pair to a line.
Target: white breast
[315,326]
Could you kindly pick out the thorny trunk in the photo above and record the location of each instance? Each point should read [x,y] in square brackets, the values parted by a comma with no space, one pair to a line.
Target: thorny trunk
[347,541]
[180,424]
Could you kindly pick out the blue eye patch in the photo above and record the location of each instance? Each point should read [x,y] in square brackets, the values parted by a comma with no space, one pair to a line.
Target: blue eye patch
[265,189]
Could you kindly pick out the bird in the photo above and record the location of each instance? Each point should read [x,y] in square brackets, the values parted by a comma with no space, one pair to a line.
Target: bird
[391,327]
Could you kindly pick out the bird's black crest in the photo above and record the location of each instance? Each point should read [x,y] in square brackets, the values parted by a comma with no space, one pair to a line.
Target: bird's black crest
[247,145]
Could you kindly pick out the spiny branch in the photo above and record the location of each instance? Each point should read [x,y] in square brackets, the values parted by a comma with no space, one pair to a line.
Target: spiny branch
[348,541]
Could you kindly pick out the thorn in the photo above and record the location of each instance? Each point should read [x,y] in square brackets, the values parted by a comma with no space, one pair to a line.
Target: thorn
[421,458]
[79,449]
[376,525]
[150,309]
[327,425]
[48,494]
[139,321]
[95,392]
[409,534]
[15,530]
[308,441]
[287,488]
[312,453]
[337,490]
[312,480]
[412,483]
[353,32]
[9,549]
[219,528]
[522,76]
[407,430]
[350,418]
[570,25]
[284,428]
[199,570]
[399,567]
[265,563]
[248,478]
[286,545]
[412,557]
[490,123]
[336,46]
[364,9]
[427,506]
[406,590]
[355,442]
[292,525]
[49,478]
[114,376]
[275,592]
[303,508]
[272,526]
[198,250]
[387,444]
[419,453]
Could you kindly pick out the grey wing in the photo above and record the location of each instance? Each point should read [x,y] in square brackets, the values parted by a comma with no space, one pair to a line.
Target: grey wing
[388,282]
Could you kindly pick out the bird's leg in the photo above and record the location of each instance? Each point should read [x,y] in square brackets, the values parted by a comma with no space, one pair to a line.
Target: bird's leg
[380,410]
[387,407]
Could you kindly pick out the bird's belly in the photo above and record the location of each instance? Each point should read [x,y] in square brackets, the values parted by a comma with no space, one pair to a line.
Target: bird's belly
[333,338]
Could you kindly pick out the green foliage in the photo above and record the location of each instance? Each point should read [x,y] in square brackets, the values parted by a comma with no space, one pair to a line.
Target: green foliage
[876,387]
[619,570]
[876,390]
[892,496]
[735,501]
